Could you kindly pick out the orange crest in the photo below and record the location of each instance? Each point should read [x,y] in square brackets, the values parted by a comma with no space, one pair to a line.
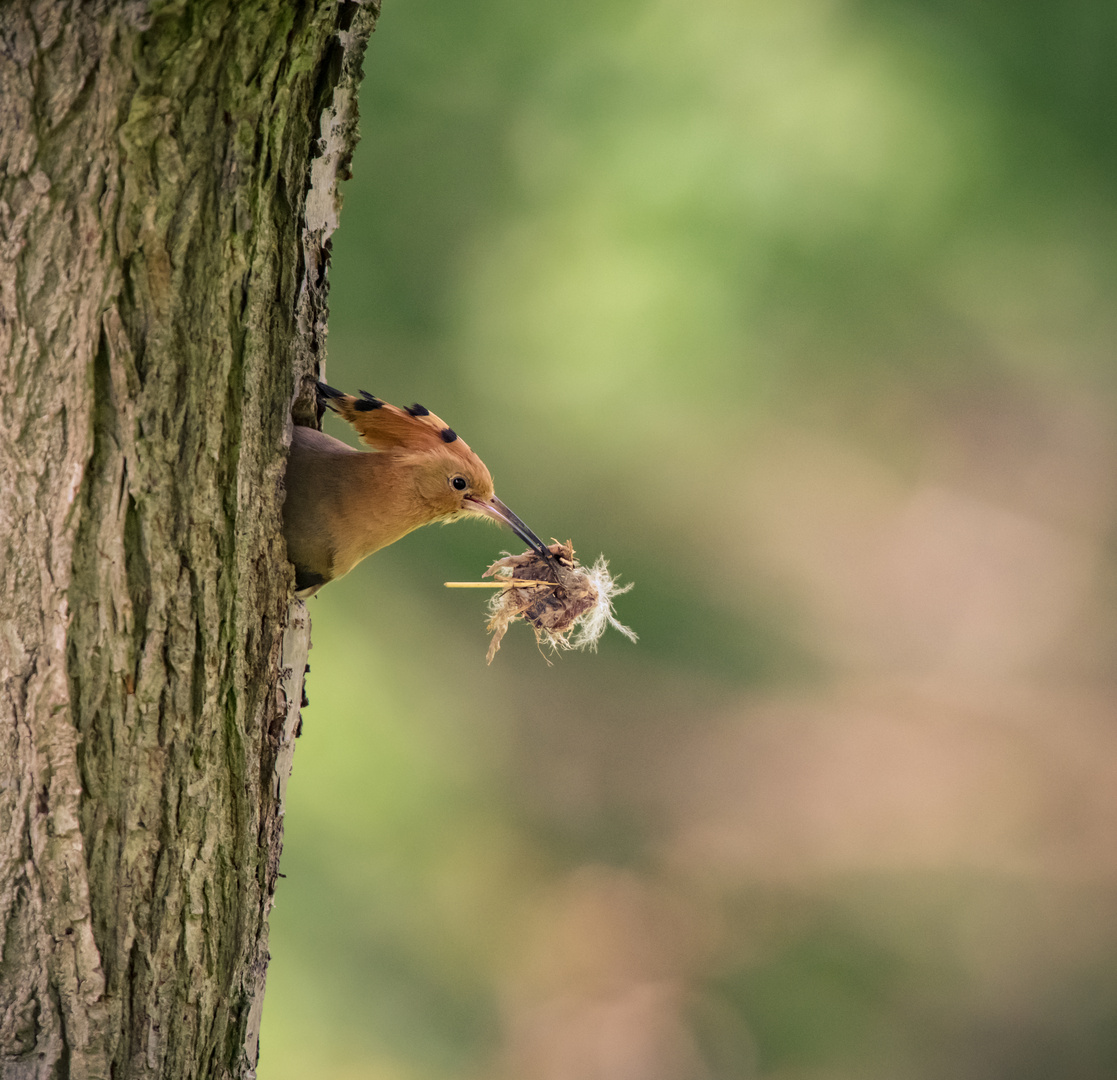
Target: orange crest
[387,427]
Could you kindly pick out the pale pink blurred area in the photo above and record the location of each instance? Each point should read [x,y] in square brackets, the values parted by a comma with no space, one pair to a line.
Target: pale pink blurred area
[989,565]
[970,720]
[902,778]
[602,984]
[945,791]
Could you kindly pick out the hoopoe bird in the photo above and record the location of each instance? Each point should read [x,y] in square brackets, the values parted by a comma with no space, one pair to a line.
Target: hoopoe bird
[343,504]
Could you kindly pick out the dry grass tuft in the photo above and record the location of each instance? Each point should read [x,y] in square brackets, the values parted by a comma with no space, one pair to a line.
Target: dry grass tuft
[569,608]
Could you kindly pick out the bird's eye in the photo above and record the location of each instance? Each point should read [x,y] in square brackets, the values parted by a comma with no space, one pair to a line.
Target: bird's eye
[459,483]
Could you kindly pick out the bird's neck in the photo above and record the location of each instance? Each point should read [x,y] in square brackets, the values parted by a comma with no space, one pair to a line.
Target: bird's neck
[382,504]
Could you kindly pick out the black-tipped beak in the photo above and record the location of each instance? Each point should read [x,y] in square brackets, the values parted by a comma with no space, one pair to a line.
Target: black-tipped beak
[495,509]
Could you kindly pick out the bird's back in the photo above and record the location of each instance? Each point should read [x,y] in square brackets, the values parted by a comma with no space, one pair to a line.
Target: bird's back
[314,492]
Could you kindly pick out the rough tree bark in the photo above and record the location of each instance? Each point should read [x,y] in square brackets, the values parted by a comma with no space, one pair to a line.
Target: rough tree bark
[167,190]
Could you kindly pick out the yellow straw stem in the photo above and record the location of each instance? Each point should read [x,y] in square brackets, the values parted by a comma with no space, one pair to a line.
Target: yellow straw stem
[509,584]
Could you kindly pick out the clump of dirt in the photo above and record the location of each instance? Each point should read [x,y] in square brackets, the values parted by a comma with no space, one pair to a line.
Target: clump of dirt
[568,605]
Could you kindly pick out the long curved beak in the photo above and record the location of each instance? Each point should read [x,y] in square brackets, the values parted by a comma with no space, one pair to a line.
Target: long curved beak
[495,509]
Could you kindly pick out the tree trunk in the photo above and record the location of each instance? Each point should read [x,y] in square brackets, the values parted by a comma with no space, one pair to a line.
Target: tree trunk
[167,190]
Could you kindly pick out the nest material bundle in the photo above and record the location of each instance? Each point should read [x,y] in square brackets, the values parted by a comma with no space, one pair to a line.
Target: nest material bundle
[569,608]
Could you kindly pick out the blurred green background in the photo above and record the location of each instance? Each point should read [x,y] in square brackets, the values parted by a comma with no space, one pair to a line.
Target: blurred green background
[803,313]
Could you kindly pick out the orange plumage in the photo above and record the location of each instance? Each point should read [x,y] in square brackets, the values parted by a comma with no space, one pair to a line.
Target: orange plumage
[344,504]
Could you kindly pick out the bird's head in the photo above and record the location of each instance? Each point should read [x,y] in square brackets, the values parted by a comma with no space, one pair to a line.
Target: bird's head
[446,478]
